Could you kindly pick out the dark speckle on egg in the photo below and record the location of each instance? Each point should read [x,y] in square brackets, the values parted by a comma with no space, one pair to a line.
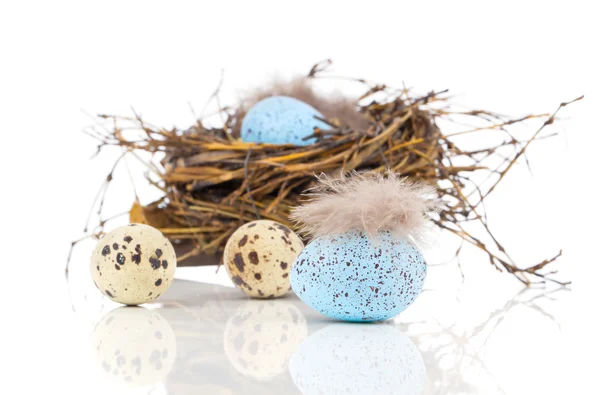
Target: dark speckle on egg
[137,257]
[154,262]
[287,231]
[253,256]
[238,261]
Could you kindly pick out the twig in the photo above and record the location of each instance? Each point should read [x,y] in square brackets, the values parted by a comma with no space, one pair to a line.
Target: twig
[212,180]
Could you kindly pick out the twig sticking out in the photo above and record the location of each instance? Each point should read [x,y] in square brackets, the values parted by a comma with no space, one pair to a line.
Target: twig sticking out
[213,182]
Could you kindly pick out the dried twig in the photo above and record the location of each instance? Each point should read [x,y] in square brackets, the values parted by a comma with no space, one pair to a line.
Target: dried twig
[214,181]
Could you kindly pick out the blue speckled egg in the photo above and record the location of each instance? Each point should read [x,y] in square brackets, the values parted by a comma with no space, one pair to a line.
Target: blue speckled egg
[352,278]
[281,120]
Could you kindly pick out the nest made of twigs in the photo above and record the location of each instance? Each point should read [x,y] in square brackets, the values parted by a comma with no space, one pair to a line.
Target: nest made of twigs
[212,182]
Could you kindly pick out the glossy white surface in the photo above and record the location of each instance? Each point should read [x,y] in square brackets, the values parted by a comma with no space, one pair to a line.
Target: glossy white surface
[202,337]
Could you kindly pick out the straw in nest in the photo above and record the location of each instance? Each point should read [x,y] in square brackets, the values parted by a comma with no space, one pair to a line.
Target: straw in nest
[212,182]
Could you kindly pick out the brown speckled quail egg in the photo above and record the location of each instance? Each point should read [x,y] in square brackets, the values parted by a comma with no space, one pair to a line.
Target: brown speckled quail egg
[258,257]
[134,346]
[133,264]
[262,335]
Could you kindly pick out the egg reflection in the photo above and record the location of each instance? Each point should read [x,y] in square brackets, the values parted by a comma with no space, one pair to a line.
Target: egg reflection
[358,359]
[134,346]
[260,337]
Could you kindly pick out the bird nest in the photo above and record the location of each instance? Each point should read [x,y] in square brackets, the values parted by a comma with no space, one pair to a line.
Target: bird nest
[212,182]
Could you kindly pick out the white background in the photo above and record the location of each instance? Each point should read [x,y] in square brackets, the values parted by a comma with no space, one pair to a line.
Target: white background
[60,61]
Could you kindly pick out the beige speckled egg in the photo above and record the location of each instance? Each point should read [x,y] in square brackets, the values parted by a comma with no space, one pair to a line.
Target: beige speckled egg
[258,257]
[133,264]
[134,346]
[260,338]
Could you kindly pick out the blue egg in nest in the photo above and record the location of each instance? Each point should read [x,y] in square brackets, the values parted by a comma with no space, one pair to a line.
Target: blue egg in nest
[352,277]
[281,120]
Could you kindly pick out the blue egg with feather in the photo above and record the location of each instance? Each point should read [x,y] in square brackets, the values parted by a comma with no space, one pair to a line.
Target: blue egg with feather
[352,277]
[281,120]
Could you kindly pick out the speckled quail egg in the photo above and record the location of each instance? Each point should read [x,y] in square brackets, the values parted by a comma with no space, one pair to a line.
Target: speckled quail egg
[133,264]
[358,359]
[258,257]
[281,120]
[351,277]
[260,337]
[134,346]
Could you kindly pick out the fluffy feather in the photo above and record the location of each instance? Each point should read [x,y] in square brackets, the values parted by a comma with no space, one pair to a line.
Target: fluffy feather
[370,202]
